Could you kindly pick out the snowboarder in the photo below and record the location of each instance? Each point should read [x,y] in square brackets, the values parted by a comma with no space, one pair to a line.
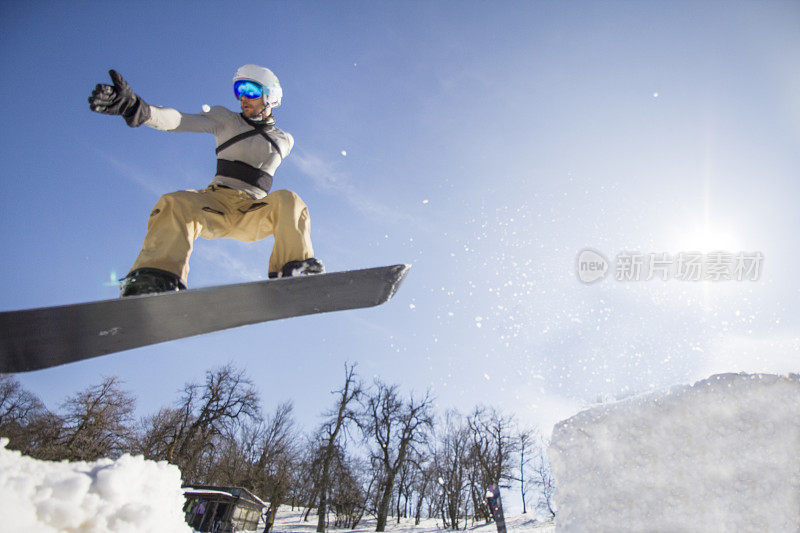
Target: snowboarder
[237,203]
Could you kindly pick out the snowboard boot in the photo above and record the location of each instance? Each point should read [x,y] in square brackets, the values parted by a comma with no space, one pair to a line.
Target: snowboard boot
[300,268]
[148,281]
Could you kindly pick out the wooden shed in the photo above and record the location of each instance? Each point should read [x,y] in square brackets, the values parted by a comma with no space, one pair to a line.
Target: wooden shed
[222,509]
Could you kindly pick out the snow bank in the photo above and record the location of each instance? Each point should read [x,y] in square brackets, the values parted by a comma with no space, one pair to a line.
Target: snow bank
[129,494]
[720,455]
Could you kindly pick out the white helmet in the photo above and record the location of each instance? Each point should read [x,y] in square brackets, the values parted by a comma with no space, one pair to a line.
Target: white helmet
[263,76]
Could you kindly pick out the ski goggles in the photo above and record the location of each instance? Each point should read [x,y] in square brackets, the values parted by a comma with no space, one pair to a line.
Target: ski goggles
[248,89]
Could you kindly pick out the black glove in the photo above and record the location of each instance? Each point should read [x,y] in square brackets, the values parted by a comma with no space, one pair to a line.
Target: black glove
[119,100]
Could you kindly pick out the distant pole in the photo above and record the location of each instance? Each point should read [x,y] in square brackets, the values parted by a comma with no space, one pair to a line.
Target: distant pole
[496,506]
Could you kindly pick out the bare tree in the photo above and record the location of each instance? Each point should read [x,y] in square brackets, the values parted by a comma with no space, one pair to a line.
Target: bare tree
[278,456]
[542,475]
[404,483]
[202,420]
[525,442]
[157,432]
[43,436]
[330,433]
[493,448]
[452,460]
[309,474]
[16,404]
[231,460]
[351,482]
[425,483]
[18,409]
[97,422]
[394,427]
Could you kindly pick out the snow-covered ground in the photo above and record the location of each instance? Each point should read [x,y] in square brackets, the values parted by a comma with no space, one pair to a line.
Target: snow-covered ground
[289,521]
[720,455]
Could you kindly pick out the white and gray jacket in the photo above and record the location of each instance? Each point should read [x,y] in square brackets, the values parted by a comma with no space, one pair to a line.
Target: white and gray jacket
[247,164]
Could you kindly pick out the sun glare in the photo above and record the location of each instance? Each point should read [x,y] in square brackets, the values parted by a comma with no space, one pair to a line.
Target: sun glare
[707,240]
[704,236]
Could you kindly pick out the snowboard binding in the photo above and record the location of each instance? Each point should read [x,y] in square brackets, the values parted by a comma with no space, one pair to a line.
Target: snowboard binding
[149,281]
[299,268]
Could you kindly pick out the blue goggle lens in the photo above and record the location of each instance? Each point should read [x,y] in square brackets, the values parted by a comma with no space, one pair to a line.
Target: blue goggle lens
[248,89]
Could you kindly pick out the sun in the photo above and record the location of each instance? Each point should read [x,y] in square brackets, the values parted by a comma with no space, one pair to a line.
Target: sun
[704,235]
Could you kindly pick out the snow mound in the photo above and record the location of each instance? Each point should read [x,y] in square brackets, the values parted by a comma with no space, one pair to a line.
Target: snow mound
[130,494]
[720,455]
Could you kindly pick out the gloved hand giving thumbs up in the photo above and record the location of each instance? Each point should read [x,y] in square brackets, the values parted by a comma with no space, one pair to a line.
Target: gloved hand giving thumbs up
[119,99]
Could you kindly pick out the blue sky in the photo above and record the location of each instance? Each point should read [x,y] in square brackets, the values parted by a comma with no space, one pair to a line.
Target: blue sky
[486,144]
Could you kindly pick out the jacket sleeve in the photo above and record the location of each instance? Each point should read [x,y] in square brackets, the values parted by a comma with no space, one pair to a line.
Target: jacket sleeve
[289,138]
[172,120]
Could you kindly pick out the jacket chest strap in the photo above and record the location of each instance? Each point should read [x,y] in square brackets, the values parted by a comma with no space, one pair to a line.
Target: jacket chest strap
[244,172]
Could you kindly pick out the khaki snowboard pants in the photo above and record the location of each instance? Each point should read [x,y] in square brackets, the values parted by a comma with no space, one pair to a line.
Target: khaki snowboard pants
[179,218]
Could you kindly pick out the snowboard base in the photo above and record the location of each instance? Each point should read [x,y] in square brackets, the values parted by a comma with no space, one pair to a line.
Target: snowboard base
[41,338]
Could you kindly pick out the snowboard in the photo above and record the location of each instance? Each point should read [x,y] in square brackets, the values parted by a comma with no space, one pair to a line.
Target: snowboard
[50,336]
